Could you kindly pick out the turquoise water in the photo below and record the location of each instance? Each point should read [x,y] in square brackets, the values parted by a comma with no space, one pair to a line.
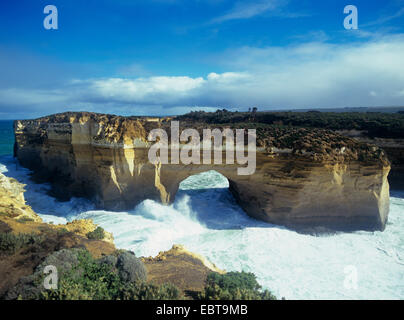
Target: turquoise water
[205,218]
[6,137]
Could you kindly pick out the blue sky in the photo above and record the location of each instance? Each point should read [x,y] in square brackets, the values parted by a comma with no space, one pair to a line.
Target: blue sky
[170,56]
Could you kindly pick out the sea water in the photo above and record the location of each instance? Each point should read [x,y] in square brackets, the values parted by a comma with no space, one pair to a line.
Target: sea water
[206,219]
[6,137]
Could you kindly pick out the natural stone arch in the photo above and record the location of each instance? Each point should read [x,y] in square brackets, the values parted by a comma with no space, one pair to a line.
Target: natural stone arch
[105,157]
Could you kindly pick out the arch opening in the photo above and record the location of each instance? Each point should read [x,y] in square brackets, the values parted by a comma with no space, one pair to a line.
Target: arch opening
[212,202]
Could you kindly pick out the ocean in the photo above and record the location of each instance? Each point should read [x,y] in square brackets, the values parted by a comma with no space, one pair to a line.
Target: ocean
[6,137]
[206,219]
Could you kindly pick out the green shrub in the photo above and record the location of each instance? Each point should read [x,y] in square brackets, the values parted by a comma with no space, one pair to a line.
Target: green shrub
[234,286]
[97,234]
[92,279]
[376,124]
[11,243]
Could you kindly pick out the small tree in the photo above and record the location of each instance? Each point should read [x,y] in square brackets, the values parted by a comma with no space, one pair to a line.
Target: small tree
[97,234]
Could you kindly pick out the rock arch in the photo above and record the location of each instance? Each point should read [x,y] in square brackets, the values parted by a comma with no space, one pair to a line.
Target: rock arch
[105,157]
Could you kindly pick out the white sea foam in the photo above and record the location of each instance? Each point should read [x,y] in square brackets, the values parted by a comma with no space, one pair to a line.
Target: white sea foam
[206,219]
[3,168]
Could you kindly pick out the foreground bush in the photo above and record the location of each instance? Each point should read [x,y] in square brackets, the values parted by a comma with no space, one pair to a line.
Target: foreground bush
[110,278]
[11,243]
[234,286]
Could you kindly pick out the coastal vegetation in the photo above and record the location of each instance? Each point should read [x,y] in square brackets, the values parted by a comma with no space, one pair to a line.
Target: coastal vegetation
[118,276]
[97,234]
[376,124]
[234,286]
[115,277]
[11,243]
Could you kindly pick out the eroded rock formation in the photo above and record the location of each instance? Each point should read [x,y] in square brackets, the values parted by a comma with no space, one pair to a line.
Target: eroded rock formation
[185,269]
[304,178]
[12,201]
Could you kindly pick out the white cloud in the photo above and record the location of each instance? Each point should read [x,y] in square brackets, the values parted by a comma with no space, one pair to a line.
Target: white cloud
[314,74]
[227,77]
[248,9]
[145,90]
[385,19]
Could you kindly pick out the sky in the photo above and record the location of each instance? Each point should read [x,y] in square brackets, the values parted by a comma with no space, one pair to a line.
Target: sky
[168,57]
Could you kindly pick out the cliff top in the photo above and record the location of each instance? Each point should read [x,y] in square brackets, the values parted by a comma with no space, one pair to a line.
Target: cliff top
[315,144]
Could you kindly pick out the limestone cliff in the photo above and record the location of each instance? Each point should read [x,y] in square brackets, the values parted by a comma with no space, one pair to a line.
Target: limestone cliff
[12,202]
[304,178]
[394,148]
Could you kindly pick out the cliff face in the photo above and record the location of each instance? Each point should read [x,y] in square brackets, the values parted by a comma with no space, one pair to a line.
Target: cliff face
[303,178]
[12,202]
[394,148]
